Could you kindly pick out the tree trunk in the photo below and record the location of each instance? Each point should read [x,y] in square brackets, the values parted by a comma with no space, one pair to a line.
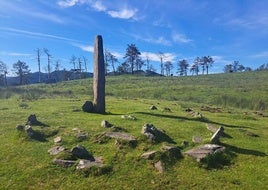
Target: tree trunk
[99,76]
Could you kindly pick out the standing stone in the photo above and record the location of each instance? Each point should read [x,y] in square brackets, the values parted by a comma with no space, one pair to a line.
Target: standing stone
[99,76]
[217,135]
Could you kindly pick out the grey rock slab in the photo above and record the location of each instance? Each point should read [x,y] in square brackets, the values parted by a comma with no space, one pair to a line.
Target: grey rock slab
[202,151]
[120,135]
[217,135]
[81,152]
[64,163]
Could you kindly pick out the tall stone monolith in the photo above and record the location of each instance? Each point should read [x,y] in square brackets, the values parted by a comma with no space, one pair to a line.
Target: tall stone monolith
[99,76]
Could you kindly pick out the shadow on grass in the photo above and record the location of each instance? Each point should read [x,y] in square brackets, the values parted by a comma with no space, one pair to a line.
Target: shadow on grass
[190,119]
[238,150]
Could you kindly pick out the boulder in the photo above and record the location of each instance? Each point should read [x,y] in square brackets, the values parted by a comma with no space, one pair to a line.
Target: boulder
[202,151]
[88,107]
[82,153]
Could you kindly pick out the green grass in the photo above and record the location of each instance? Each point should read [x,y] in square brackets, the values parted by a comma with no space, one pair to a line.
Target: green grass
[25,163]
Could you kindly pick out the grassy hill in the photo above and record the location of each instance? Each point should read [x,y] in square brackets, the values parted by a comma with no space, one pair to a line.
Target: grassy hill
[236,101]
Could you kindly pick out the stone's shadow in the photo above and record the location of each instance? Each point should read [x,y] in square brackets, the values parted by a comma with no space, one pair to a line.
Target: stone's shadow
[225,135]
[238,150]
[189,119]
[39,137]
[163,137]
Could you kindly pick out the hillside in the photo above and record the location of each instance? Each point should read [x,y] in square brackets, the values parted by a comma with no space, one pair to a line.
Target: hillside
[237,101]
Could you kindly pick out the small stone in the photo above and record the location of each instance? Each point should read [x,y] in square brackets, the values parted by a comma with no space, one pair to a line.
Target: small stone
[130,117]
[153,107]
[82,136]
[20,127]
[56,150]
[29,130]
[64,163]
[88,164]
[57,140]
[106,124]
[159,166]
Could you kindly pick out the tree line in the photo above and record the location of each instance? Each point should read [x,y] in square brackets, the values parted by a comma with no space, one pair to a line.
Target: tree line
[132,63]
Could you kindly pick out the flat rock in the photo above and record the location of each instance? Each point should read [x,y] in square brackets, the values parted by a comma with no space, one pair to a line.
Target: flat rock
[130,117]
[149,155]
[120,135]
[56,150]
[202,151]
[83,164]
[64,163]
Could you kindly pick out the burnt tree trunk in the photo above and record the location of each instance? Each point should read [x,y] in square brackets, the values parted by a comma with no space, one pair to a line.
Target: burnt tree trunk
[99,76]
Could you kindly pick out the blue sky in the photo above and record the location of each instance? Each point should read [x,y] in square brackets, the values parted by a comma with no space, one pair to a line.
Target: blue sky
[181,29]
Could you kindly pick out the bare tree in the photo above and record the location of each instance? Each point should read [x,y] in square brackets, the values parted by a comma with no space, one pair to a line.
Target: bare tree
[73,61]
[161,56]
[48,62]
[38,54]
[110,59]
[85,62]
[208,62]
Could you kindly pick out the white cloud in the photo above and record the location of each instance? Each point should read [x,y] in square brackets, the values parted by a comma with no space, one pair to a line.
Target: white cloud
[87,48]
[123,13]
[37,34]
[261,54]
[160,40]
[67,3]
[98,6]
[180,38]
[15,54]
[155,56]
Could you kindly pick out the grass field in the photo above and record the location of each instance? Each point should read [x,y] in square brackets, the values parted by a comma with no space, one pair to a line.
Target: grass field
[242,99]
